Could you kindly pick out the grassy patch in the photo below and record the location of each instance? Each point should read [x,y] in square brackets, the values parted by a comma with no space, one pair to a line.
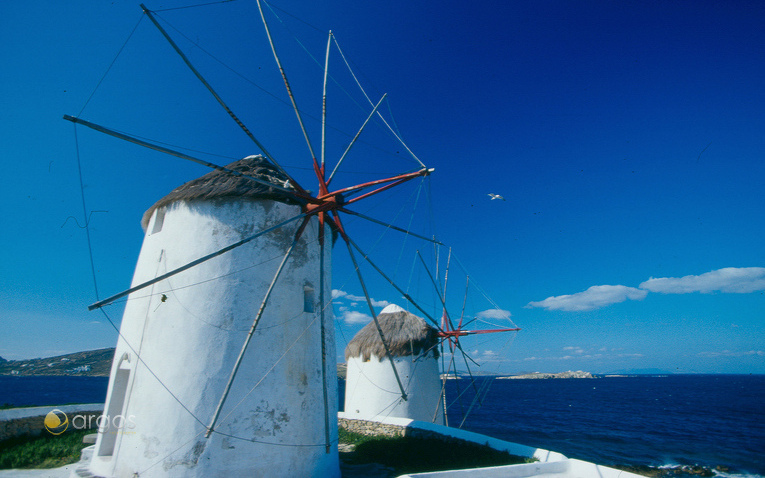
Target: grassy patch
[417,455]
[352,438]
[404,454]
[44,451]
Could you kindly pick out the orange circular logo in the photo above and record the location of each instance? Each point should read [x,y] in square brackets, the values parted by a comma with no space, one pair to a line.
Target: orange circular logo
[56,422]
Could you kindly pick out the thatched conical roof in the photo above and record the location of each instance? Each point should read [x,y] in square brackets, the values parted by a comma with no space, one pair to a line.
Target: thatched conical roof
[220,184]
[405,333]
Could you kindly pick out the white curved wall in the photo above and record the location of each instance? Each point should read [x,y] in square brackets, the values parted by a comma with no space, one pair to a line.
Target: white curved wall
[372,392]
[189,329]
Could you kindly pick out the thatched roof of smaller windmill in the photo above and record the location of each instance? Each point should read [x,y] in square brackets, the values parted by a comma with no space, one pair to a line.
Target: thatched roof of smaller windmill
[405,333]
[222,184]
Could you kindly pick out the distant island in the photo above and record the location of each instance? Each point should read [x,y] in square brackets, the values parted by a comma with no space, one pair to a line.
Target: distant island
[539,375]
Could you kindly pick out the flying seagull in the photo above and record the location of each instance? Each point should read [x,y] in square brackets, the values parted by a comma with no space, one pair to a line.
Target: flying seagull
[495,196]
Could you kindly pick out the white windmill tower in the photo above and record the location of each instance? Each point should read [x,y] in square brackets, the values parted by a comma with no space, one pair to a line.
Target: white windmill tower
[188,331]
[221,367]
[371,391]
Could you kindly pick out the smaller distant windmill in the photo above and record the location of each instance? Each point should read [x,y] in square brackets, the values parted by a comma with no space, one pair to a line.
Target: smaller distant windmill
[415,345]
[371,391]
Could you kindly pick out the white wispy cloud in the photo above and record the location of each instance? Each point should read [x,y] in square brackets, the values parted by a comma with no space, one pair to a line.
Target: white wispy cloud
[493,314]
[338,294]
[355,317]
[567,357]
[579,353]
[486,356]
[740,280]
[361,298]
[595,297]
[345,305]
[728,353]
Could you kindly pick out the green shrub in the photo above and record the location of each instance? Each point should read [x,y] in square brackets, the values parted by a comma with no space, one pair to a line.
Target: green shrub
[417,455]
[44,451]
[352,438]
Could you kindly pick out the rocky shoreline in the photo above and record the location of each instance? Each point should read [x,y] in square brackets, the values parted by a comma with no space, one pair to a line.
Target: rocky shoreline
[678,470]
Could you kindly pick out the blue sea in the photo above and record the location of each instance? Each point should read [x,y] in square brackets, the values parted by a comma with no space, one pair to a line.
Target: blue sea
[668,421]
[39,391]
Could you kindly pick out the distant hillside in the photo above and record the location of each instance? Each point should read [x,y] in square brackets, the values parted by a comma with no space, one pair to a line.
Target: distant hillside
[93,363]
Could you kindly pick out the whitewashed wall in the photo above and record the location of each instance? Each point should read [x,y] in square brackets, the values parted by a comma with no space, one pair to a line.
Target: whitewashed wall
[372,392]
[189,329]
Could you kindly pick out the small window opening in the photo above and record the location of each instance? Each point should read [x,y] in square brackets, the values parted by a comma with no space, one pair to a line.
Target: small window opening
[159,220]
[111,423]
[308,299]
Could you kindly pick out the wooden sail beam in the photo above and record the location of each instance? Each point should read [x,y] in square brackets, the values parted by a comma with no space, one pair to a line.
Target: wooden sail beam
[447,329]
[316,205]
[286,81]
[300,197]
[395,286]
[443,384]
[464,302]
[477,397]
[322,331]
[370,102]
[453,335]
[320,208]
[401,178]
[353,141]
[191,264]
[446,324]
[389,226]
[445,319]
[448,332]
[220,101]
[466,357]
[235,369]
[371,308]
[324,103]
[462,333]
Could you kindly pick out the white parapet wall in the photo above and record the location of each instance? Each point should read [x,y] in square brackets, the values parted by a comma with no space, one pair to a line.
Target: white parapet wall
[549,464]
[31,420]
[409,427]
[567,468]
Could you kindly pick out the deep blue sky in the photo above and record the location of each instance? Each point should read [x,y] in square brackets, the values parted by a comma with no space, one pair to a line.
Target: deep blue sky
[626,137]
